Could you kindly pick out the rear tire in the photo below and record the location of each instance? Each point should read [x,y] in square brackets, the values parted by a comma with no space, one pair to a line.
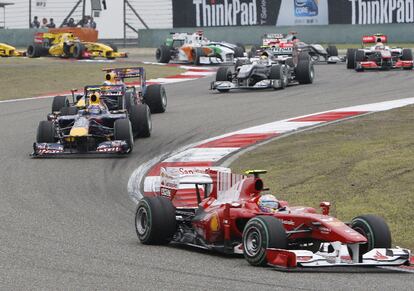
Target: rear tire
[140,117]
[332,51]
[350,58]
[359,57]
[46,132]
[123,131]
[59,102]
[78,50]
[197,54]
[259,234]
[305,71]
[238,52]
[155,222]
[70,110]
[156,98]
[163,54]
[35,50]
[375,229]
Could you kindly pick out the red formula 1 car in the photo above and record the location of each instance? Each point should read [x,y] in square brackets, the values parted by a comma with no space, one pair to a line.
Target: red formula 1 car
[378,56]
[217,210]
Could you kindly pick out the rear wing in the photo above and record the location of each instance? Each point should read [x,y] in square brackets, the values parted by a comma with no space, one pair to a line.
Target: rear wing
[375,38]
[128,73]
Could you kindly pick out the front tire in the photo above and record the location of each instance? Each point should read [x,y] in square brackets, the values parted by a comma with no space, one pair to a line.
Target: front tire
[223,74]
[59,102]
[46,132]
[277,73]
[332,51]
[259,234]
[156,98]
[305,71]
[123,131]
[140,117]
[350,58]
[155,220]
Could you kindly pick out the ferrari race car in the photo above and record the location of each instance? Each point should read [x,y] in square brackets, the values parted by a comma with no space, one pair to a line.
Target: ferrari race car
[267,71]
[89,123]
[7,50]
[196,49]
[378,56]
[66,45]
[217,210]
[283,44]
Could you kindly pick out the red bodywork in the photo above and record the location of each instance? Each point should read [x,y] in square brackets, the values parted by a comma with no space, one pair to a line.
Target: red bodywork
[233,201]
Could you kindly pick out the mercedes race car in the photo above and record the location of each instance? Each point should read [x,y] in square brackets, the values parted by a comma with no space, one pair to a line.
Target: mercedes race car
[214,209]
[196,49]
[7,50]
[379,56]
[283,44]
[66,45]
[268,71]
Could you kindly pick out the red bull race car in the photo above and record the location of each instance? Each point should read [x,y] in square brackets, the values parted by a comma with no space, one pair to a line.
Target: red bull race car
[379,56]
[214,209]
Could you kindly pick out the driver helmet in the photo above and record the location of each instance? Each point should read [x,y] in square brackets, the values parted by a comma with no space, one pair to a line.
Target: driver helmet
[95,103]
[379,46]
[111,78]
[268,203]
[264,58]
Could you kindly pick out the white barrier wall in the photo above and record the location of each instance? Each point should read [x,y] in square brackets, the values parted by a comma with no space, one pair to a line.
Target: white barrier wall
[155,13]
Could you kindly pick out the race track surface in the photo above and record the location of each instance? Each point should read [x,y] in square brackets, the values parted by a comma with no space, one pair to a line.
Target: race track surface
[69,223]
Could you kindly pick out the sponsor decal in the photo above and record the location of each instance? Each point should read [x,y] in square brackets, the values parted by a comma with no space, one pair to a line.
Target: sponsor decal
[380,257]
[215,222]
[288,222]
[382,11]
[306,8]
[324,230]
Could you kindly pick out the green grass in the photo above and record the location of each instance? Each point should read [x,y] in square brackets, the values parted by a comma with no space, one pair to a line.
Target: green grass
[364,165]
[24,77]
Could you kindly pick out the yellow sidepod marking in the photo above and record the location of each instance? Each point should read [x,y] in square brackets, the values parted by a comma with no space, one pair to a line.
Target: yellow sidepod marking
[79,131]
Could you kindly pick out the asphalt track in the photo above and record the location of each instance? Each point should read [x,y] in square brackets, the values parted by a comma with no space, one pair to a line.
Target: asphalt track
[68,223]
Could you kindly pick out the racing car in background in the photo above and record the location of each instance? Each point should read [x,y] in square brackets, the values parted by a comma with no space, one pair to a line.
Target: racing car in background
[7,50]
[196,49]
[267,71]
[378,56]
[231,214]
[67,45]
[282,44]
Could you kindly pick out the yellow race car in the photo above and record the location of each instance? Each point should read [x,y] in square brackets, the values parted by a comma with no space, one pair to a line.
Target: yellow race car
[66,45]
[10,51]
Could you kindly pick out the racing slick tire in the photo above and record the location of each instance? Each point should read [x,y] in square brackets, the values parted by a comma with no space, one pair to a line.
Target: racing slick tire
[238,52]
[305,71]
[375,229]
[350,58]
[407,55]
[197,54]
[223,74]
[123,131]
[46,132]
[359,57]
[259,234]
[140,117]
[332,51]
[304,56]
[156,98]
[278,73]
[163,54]
[78,50]
[155,222]
[35,50]
[59,102]
[69,110]
[240,45]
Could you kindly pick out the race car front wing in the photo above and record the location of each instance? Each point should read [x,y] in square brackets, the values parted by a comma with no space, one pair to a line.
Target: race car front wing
[56,149]
[264,84]
[302,258]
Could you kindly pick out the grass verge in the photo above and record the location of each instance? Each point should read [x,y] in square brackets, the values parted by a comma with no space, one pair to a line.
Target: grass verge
[24,77]
[364,165]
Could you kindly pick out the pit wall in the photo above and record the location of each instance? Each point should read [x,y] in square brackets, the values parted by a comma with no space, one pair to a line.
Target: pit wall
[334,33]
